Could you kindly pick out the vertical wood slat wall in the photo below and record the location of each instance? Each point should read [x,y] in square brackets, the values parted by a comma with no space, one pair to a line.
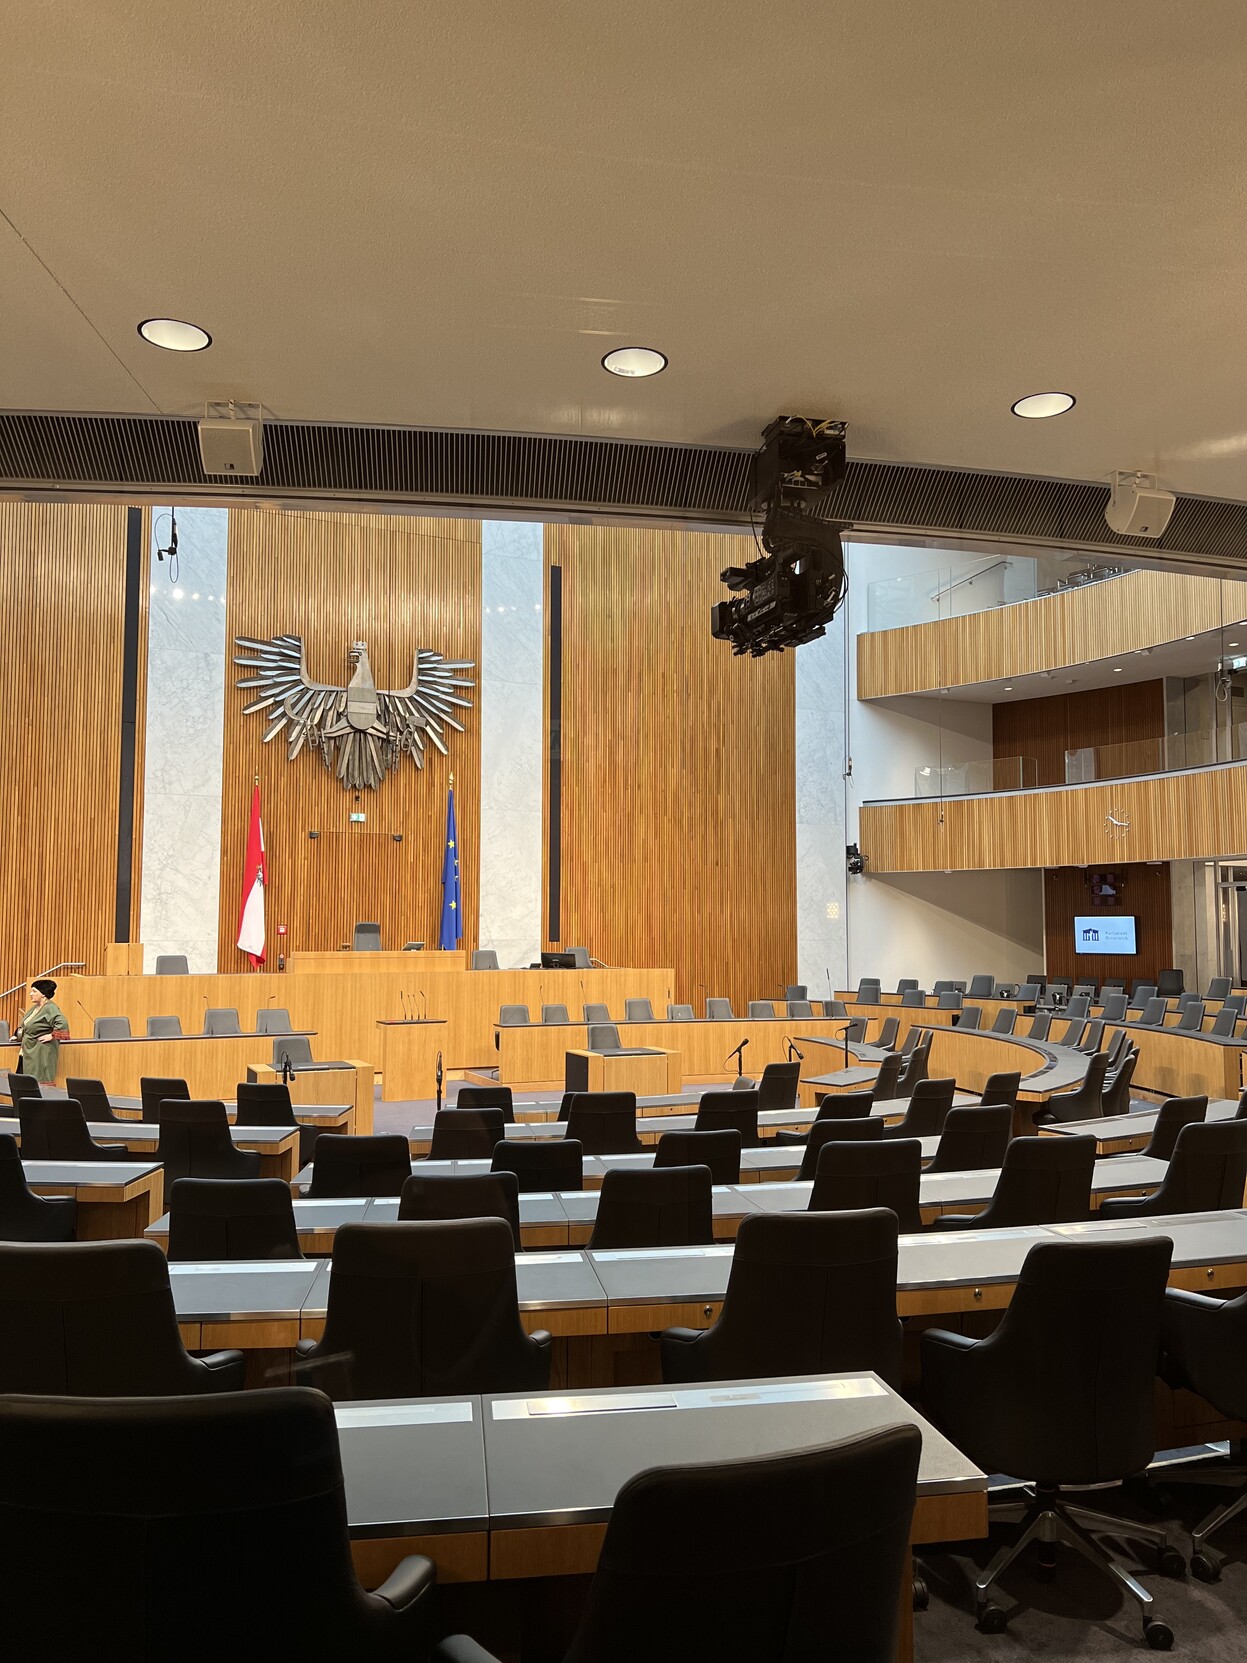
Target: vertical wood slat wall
[1145,895]
[1046,728]
[399,584]
[62,596]
[678,769]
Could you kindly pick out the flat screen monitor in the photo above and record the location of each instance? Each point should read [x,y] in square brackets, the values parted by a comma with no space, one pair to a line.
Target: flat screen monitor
[1115,935]
[558,961]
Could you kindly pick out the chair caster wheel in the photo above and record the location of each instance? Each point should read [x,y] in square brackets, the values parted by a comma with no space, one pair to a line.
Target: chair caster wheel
[1171,1562]
[1158,1635]
[992,1619]
[922,1596]
[1205,1568]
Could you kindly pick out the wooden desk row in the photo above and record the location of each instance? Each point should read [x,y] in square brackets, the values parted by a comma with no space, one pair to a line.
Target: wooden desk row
[116,1199]
[277,1146]
[344,1003]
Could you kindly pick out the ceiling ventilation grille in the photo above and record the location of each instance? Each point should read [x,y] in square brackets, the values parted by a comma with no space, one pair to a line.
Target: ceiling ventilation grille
[159,456]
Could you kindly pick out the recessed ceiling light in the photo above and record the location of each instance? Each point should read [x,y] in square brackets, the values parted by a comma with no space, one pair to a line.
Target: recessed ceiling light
[1117,669]
[1231,643]
[1037,405]
[634,361]
[174,335]
[1008,689]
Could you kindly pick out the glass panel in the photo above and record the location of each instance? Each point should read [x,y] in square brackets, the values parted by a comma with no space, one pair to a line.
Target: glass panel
[976,583]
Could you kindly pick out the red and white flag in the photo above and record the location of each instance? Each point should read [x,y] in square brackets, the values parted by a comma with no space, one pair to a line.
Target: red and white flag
[254,877]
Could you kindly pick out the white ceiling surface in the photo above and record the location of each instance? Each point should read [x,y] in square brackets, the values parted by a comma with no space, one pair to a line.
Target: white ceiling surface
[904,215]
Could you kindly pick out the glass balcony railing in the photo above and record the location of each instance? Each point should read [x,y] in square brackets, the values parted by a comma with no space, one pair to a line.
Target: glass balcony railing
[976,585]
[978,779]
[1157,756]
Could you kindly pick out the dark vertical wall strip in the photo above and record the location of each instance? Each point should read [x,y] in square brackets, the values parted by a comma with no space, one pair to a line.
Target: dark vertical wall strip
[555,752]
[129,708]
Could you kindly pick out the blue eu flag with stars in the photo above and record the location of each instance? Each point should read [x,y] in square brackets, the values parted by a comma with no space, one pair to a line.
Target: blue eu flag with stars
[452,911]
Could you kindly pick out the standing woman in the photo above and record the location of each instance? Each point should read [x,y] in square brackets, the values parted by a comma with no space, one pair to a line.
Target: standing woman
[40,1031]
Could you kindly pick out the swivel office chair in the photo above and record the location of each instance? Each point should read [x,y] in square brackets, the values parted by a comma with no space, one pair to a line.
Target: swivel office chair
[719,1111]
[669,1206]
[1207,1172]
[854,1176]
[229,1218]
[378,1165]
[719,1151]
[974,1139]
[195,1142]
[929,1103]
[1042,1181]
[1174,1114]
[466,1134]
[604,1122]
[463,1195]
[25,1216]
[544,1165]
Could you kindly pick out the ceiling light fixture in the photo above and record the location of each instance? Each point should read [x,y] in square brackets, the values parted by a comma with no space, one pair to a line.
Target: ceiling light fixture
[1008,689]
[174,335]
[634,361]
[1035,406]
[1117,669]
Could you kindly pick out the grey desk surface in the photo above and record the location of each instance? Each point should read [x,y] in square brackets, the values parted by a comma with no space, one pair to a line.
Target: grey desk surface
[84,1174]
[544,1281]
[147,1132]
[536,1207]
[231,1107]
[562,1460]
[1141,1123]
[727,1201]
[267,1290]
[308,1215]
[662,1275]
[413,1467]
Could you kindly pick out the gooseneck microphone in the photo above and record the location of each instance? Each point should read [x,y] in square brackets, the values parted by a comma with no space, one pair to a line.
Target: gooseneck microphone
[440,1077]
[793,1051]
[740,1060]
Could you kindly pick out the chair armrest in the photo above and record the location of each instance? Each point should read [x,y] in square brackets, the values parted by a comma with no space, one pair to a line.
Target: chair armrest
[1192,1301]
[411,1579]
[953,1221]
[224,1371]
[305,1348]
[461,1648]
[540,1337]
[946,1340]
[790,1137]
[682,1336]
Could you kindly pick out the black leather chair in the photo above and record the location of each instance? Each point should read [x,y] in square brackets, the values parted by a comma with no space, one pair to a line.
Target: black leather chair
[1061,1394]
[466,1134]
[424,1310]
[842,1107]
[93,1097]
[823,1132]
[686,1574]
[24,1216]
[1115,1098]
[23,1085]
[1170,983]
[1085,1103]
[270,1105]
[488,1097]
[230,1218]
[808,1293]
[245,1507]
[153,1091]
[378,1165]
[1173,1114]
[543,1165]
[974,1139]
[96,1319]
[929,1104]
[1207,1171]
[603,1122]
[1042,1181]
[1002,1088]
[883,1088]
[195,1143]
[720,1151]
[915,1069]
[852,1176]
[777,1089]
[1204,1350]
[722,1111]
[431,1196]
[55,1129]
[655,1207]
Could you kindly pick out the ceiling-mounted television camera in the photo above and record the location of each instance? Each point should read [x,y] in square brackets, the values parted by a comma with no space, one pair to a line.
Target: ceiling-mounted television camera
[792,593]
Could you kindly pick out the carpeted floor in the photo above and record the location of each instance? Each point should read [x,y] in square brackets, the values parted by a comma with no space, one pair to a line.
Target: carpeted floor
[1079,1614]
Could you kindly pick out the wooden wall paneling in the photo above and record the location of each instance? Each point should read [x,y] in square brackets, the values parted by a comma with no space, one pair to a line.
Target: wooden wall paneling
[62,594]
[1193,816]
[1046,728]
[678,768]
[1120,615]
[140,736]
[1144,894]
[400,584]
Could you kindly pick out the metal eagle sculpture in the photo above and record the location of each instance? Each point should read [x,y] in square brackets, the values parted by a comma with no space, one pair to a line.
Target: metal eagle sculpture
[360,731]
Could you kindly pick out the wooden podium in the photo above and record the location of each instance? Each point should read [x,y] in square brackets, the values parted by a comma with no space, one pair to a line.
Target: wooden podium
[647,1073]
[408,1058]
[352,1083]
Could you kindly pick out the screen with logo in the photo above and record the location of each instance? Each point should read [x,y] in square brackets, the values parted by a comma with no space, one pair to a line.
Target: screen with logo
[1105,935]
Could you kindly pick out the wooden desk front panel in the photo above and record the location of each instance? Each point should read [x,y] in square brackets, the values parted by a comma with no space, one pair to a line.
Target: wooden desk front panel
[344,1010]
[536,1054]
[211,1067]
[1181,1065]
[407,1057]
[369,964]
[351,1084]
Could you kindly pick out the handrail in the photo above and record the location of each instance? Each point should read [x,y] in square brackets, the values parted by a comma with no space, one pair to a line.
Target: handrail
[939,594]
[65,964]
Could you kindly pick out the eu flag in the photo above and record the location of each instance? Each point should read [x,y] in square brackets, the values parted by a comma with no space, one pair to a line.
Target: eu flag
[452,912]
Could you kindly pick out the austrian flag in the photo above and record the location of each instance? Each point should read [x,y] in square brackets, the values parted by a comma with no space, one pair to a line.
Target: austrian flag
[254,877]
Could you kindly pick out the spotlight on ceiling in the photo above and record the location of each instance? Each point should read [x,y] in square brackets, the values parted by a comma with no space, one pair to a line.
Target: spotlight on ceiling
[1035,406]
[174,335]
[634,361]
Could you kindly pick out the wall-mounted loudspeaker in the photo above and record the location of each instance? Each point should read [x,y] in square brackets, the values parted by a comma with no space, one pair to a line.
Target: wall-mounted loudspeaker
[1136,508]
[231,446]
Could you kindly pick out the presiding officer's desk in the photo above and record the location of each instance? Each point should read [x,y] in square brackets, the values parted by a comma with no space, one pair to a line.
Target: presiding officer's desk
[115,1199]
[522,1485]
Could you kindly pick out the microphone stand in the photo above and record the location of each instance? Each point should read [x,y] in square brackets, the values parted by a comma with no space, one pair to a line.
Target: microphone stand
[440,1077]
[740,1061]
[793,1052]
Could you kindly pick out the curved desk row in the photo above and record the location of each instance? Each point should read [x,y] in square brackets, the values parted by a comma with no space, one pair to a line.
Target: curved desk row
[277,1146]
[1181,1064]
[1120,1134]
[566,1218]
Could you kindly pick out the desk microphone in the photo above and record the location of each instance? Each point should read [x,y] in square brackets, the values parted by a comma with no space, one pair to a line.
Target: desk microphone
[702,986]
[440,1077]
[793,1052]
[740,1061]
[85,1012]
[402,1005]
[425,997]
[287,1069]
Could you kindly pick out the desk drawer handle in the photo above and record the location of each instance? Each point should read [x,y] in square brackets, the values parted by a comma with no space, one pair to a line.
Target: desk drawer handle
[708,1310]
[1210,1273]
[978,1293]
